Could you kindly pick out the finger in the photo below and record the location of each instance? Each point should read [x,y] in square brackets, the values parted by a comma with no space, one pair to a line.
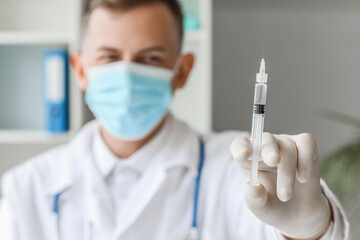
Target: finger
[286,171]
[240,149]
[270,150]
[256,196]
[307,154]
[259,201]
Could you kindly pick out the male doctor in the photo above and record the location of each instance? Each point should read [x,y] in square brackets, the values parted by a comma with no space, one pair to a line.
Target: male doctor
[134,173]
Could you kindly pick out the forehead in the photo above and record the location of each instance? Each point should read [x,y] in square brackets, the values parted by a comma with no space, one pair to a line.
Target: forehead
[142,26]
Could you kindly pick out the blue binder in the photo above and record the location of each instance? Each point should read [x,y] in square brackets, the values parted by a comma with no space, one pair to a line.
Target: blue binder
[55,72]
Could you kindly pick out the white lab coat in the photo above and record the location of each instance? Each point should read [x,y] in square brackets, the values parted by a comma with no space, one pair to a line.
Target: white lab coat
[161,205]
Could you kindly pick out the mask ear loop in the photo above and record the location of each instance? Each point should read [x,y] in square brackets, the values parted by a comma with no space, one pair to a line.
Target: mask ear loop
[176,67]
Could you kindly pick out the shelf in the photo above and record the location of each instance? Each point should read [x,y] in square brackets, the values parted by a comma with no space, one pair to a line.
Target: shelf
[195,36]
[32,137]
[29,38]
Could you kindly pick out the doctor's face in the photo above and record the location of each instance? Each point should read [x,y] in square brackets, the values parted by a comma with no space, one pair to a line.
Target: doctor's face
[147,34]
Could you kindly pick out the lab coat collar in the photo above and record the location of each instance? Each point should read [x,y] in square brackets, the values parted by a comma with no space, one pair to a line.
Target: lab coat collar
[106,161]
[176,145]
[179,148]
[69,165]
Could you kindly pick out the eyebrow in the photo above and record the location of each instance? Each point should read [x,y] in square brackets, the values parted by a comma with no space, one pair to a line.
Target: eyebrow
[107,49]
[150,49]
[155,48]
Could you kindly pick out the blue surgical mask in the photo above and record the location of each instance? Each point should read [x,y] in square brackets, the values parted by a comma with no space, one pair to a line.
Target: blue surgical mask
[129,99]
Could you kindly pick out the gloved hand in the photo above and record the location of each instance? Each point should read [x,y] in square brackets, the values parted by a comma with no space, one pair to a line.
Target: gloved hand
[289,196]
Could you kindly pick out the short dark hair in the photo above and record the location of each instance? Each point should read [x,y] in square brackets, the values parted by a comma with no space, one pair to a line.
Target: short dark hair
[124,5]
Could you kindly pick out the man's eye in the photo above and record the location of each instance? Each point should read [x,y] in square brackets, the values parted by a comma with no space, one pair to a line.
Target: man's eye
[110,57]
[152,59]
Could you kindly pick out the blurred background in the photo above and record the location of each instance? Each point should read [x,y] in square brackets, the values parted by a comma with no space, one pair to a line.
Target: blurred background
[311,47]
[312,51]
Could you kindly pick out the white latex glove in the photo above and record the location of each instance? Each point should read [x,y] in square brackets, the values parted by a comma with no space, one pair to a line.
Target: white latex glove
[289,196]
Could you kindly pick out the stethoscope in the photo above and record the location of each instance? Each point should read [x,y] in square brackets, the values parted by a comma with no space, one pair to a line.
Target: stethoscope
[194,232]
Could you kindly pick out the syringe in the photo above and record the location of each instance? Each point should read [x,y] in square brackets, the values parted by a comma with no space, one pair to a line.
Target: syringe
[258,121]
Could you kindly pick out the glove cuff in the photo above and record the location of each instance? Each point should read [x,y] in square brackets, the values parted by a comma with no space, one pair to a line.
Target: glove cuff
[316,226]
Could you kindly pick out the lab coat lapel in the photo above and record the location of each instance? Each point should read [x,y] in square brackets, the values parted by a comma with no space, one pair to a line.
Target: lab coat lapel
[98,199]
[141,197]
[77,161]
[179,149]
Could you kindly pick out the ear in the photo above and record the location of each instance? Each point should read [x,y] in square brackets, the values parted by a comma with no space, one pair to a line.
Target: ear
[77,65]
[184,70]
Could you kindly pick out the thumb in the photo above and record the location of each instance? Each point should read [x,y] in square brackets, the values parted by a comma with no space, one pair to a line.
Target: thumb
[257,200]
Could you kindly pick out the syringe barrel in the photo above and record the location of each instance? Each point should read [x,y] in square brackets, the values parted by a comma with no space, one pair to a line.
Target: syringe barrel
[256,136]
[258,120]
[260,94]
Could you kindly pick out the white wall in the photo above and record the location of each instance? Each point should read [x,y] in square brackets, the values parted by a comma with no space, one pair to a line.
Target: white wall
[312,49]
